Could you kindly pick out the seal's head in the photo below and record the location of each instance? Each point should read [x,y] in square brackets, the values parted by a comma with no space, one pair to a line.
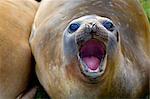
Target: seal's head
[90,39]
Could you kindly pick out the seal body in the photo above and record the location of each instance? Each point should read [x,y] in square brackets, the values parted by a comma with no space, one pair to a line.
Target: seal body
[15,53]
[92,49]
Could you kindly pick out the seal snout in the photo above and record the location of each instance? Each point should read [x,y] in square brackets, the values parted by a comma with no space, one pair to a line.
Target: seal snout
[91,50]
[91,31]
[90,28]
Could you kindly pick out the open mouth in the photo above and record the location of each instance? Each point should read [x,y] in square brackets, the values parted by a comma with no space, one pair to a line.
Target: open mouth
[92,55]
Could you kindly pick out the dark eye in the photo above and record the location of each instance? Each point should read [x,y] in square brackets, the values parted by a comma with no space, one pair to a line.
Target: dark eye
[108,25]
[73,27]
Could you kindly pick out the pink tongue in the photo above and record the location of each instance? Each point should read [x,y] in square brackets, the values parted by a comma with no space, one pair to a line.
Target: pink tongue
[92,62]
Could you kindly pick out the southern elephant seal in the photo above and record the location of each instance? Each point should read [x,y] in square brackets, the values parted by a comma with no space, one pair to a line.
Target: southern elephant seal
[92,49]
[16,18]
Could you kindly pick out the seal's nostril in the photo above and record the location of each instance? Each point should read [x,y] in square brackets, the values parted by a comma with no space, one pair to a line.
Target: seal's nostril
[88,29]
[91,28]
[94,28]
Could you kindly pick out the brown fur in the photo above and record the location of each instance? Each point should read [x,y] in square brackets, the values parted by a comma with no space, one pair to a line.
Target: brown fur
[16,17]
[127,71]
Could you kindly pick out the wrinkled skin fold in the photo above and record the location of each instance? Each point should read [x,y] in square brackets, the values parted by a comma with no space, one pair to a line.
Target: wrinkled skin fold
[63,66]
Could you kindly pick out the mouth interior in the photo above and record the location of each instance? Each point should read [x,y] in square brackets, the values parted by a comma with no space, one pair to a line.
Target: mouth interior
[92,53]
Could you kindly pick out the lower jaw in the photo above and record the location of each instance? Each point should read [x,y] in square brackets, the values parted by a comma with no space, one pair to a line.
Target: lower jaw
[94,76]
